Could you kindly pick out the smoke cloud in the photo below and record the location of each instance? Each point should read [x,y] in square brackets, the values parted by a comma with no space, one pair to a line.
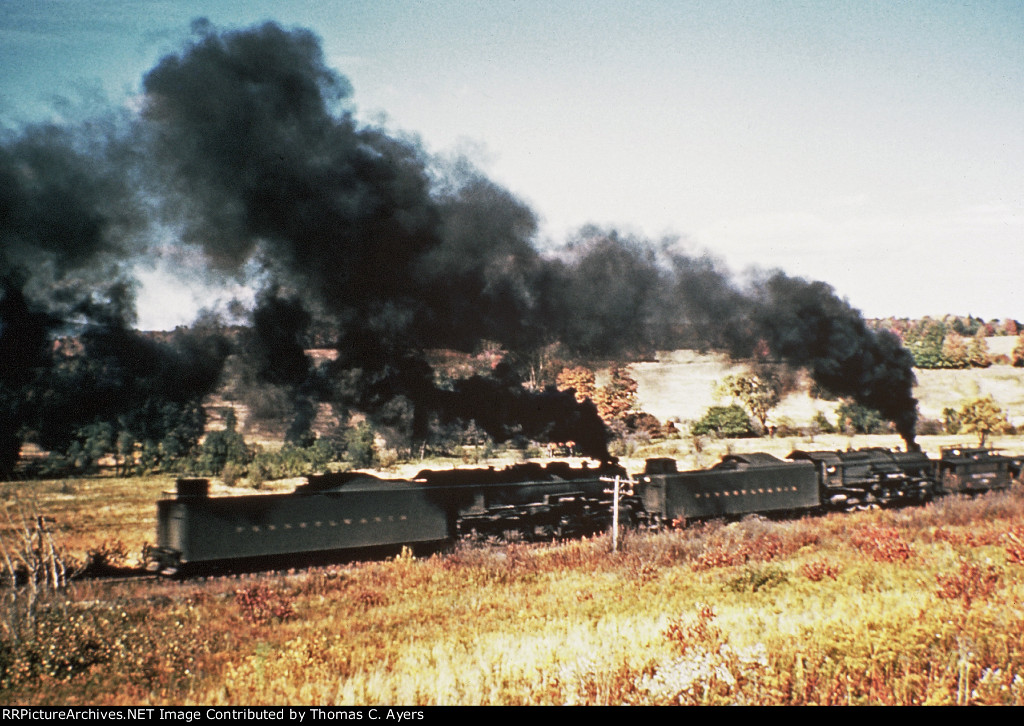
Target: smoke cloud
[247,151]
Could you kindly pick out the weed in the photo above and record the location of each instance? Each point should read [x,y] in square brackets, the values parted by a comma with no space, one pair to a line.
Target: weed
[882,544]
[756,577]
[111,555]
[642,573]
[970,583]
[818,570]
[259,604]
[722,555]
[1015,545]
[684,633]
[967,537]
[706,668]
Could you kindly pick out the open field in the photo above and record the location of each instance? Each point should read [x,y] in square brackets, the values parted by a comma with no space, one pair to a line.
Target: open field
[681,384]
[921,605]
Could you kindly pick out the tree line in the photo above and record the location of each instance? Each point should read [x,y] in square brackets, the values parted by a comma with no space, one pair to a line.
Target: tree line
[955,341]
[164,436]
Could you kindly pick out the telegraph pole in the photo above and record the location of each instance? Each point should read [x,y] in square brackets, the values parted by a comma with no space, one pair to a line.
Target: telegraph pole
[616,491]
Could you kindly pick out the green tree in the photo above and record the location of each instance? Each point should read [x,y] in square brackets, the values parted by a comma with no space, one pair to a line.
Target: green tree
[223,447]
[758,393]
[126,445]
[984,417]
[725,422]
[857,419]
[360,448]
[92,443]
[951,420]
[925,343]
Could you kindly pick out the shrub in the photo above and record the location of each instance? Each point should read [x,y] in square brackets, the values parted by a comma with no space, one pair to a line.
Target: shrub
[756,577]
[232,473]
[643,423]
[819,569]
[785,426]
[823,424]
[359,446]
[857,419]
[259,604]
[971,582]
[930,427]
[882,544]
[727,422]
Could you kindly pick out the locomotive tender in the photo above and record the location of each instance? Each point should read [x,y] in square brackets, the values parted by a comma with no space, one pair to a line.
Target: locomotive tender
[356,512]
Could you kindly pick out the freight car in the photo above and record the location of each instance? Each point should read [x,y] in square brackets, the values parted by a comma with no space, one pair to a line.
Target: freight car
[354,512]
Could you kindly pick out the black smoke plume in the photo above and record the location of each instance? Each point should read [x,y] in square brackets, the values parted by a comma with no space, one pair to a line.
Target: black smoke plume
[263,160]
[72,225]
[248,153]
[504,409]
[24,352]
[266,161]
[806,324]
[619,296]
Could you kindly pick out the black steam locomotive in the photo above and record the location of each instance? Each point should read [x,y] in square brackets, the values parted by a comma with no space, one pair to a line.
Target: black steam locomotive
[357,512]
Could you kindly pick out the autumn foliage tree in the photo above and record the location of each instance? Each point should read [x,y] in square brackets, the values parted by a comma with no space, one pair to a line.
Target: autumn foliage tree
[1017,356]
[954,352]
[579,379]
[977,352]
[984,417]
[618,398]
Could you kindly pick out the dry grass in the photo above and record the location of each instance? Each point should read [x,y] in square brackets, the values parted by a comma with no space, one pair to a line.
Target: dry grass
[755,611]
[681,384]
[97,513]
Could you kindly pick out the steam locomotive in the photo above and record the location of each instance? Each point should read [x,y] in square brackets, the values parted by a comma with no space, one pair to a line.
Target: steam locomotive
[357,512]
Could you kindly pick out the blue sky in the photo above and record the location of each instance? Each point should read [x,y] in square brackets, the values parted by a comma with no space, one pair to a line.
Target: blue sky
[878,146]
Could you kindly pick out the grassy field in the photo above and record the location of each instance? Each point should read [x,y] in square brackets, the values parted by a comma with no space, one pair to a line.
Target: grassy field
[681,383]
[920,605]
[912,606]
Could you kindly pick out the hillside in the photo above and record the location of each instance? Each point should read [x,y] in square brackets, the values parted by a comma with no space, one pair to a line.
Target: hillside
[681,384]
